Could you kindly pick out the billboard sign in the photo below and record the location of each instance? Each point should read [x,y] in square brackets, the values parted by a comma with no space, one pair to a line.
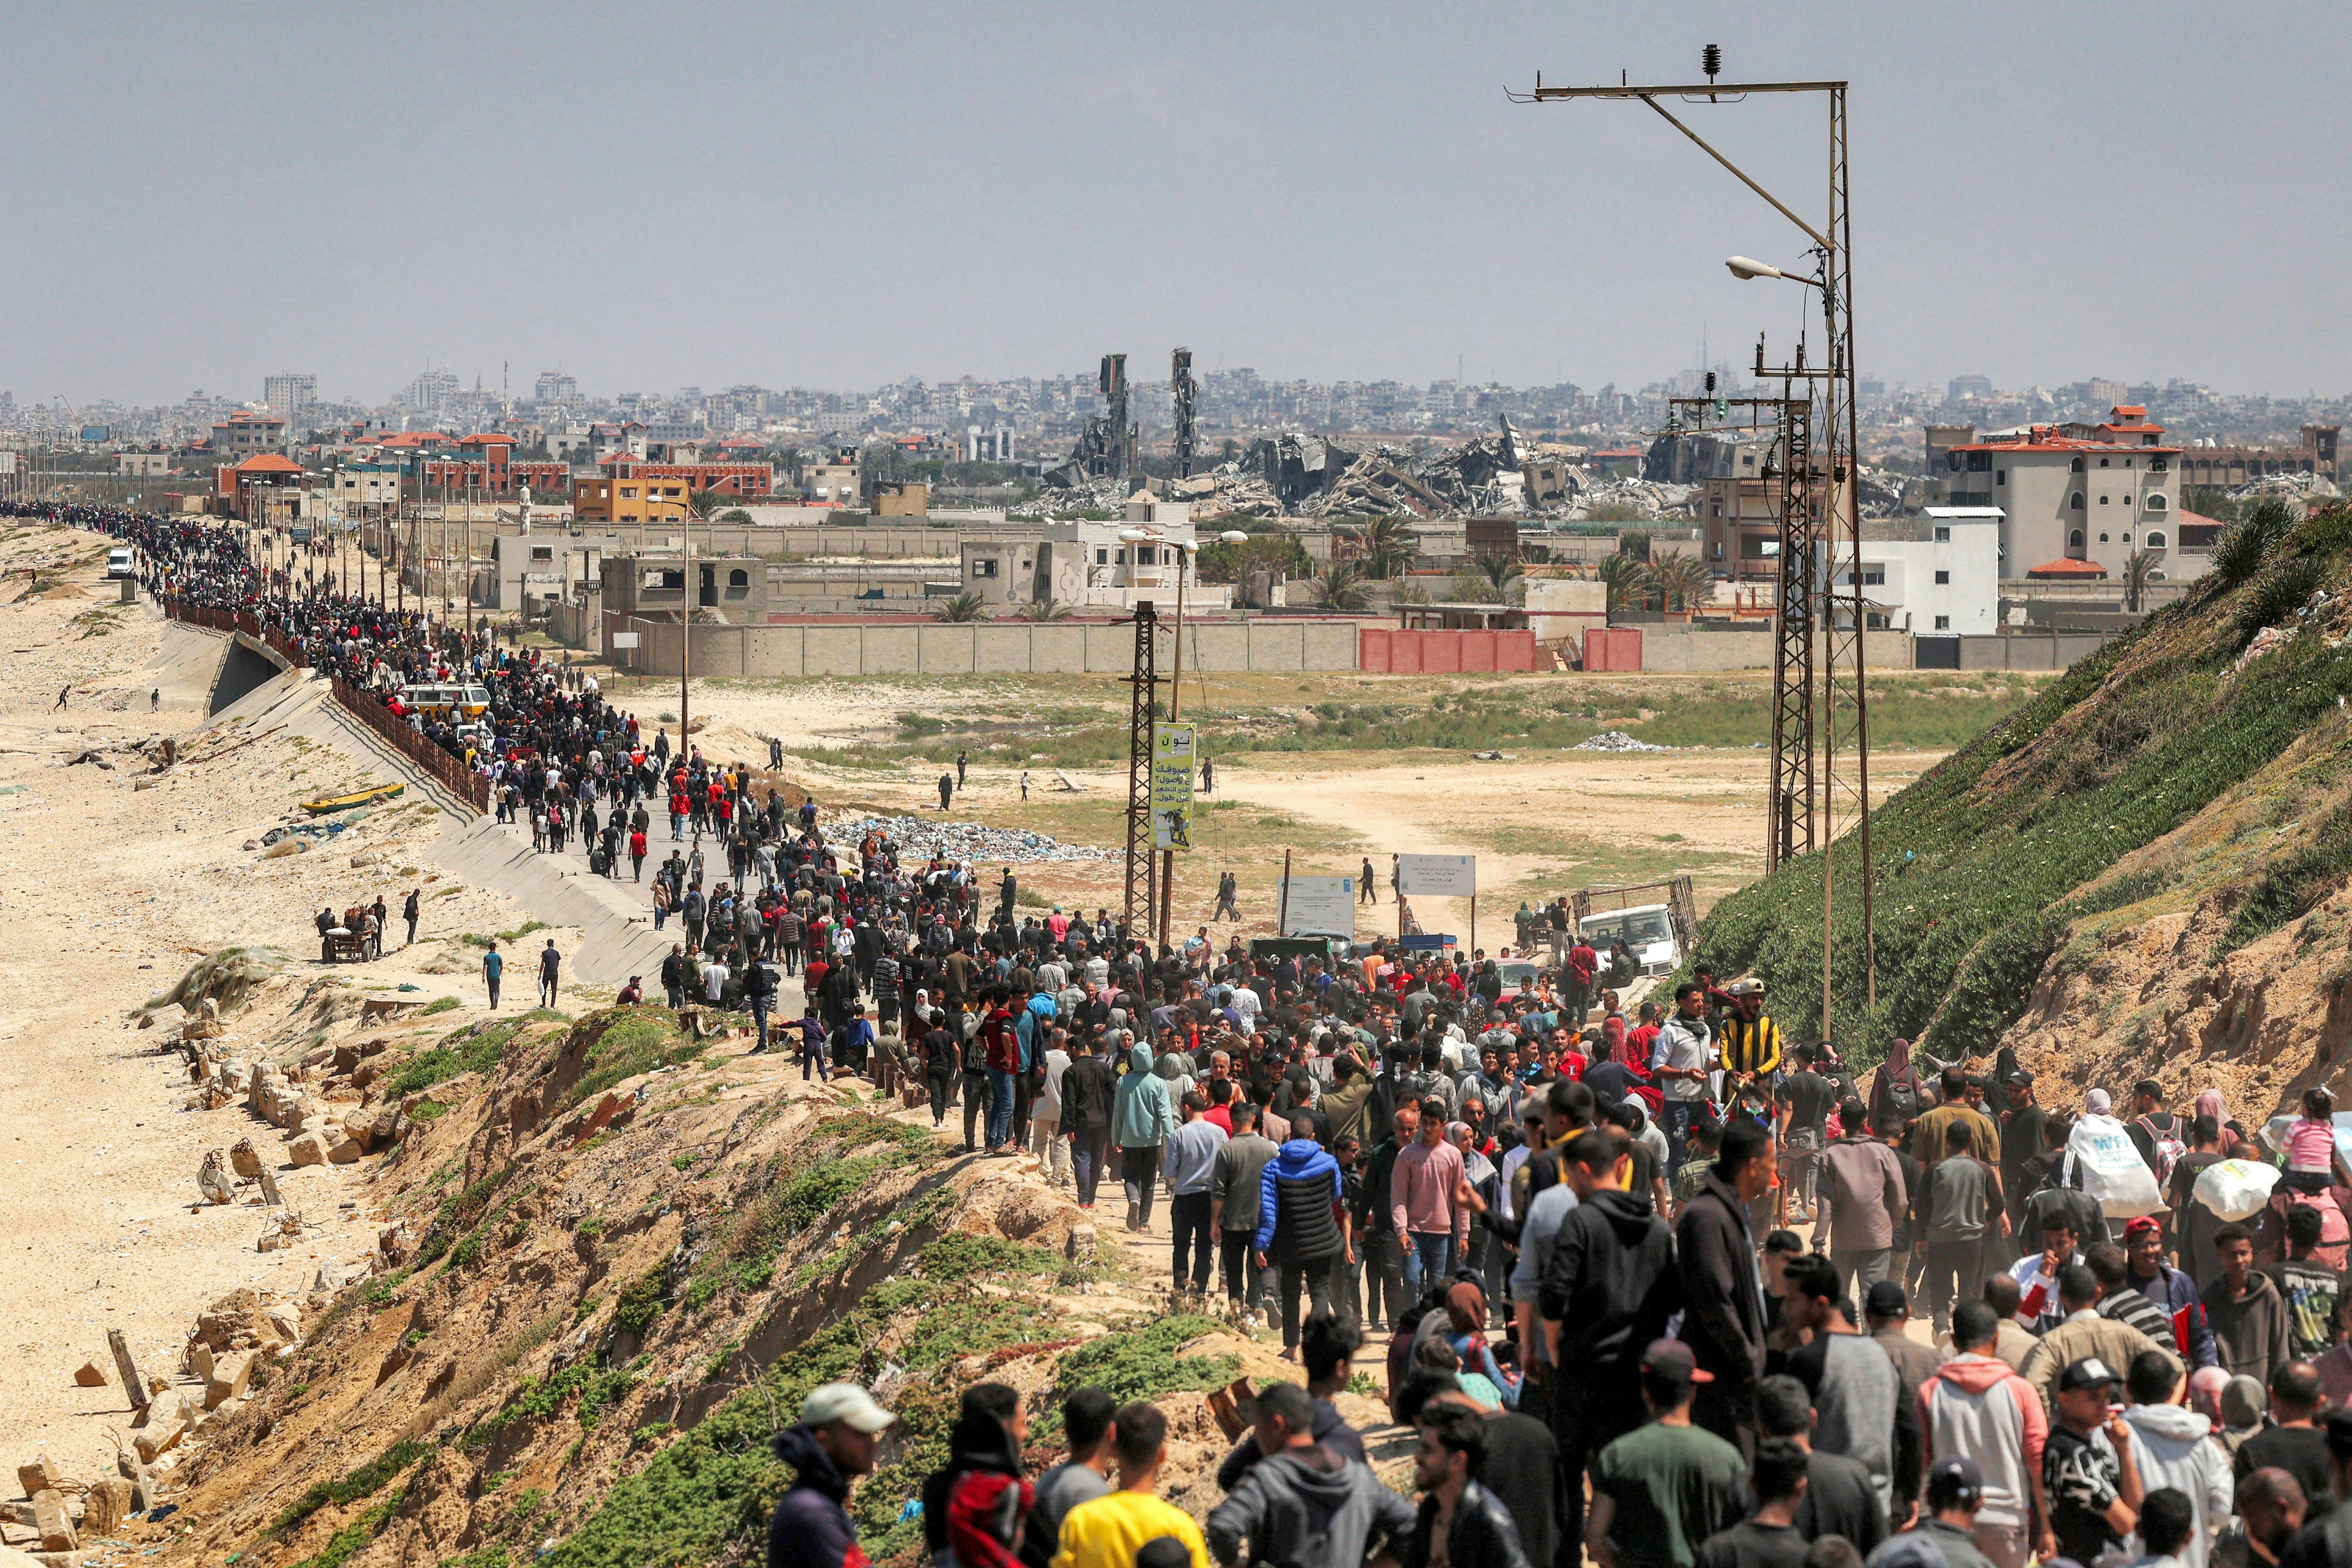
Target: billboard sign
[1172,786]
[1438,875]
[1319,906]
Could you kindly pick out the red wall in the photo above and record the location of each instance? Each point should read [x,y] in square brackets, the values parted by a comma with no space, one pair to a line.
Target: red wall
[1384,651]
[1616,649]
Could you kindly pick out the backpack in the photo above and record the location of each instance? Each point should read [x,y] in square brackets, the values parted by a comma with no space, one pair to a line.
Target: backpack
[2169,1150]
[975,1052]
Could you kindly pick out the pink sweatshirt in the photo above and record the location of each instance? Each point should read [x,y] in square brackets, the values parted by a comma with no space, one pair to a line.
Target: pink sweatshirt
[1421,1191]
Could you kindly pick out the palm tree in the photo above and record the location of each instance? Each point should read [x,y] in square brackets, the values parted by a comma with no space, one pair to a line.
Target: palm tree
[1630,582]
[965,606]
[2140,569]
[1341,586]
[1500,571]
[1684,580]
[1387,546]
[1048,608]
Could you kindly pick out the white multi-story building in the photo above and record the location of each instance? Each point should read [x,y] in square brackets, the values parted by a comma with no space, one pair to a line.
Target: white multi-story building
[1945,582]
[2080,492]
[289,395]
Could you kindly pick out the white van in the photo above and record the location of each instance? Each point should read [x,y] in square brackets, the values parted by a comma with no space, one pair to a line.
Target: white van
[119,564]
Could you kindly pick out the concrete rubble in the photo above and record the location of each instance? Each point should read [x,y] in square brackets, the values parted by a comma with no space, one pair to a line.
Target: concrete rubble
[918,839]
[1616,741]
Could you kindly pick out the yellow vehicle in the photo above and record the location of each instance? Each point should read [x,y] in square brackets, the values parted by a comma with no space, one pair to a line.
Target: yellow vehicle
[451,702]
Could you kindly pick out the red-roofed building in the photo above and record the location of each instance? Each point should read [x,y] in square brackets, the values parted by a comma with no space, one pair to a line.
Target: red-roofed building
[2078,491]
[2063,570]
[629,483]
[240,484]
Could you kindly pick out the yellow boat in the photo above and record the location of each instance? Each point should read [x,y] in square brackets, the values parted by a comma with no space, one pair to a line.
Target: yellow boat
[367,796]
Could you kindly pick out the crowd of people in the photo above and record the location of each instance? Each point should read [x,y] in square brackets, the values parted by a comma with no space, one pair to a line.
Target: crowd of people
[1660,1288]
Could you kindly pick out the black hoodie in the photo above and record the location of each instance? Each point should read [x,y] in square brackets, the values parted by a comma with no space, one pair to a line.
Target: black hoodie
[1611,1282]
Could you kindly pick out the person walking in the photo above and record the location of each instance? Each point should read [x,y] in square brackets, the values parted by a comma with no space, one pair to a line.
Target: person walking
[1143,1121]
[1863,1409]
[833,1442]
[1050,1138]
[1682,1058]
[1723,1294]
[947,789]
[1976,1405]
[1088,1104]
[760,995]
[1111,1531]
[2174,1450]
[1426,1203]
[1607,1292]
[1963,1210]
[409,910]
[1299,1232]
[493,966]
[1368,892]
[1669,1484]
[1085,1424]
[975,1505]
[1189,1164]
[2247,1313]
[1459,1524]
[1862,1199]
[1303,1504]
[1768,1537]
[963,759]
[1236,1202]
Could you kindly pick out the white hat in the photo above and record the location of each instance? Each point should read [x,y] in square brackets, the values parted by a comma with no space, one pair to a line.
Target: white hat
[846,1402]
[2097,1103]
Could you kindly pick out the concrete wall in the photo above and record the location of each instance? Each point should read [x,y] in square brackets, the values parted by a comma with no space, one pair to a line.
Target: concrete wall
[1690,650]
[2030,650]
[988,647]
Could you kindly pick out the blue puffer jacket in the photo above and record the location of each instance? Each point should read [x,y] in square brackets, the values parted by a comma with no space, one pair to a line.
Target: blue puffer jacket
[1295,1194]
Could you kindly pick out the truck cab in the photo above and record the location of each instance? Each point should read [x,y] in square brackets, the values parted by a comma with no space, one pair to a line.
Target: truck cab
[1647,929]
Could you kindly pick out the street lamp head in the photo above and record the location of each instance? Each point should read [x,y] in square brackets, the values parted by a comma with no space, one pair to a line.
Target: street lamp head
[1234,536]
[1132,535]
[1744,269]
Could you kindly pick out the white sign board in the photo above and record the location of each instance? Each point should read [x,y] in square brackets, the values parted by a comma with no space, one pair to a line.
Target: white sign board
[1438,875]
[624,639]
[1319,906]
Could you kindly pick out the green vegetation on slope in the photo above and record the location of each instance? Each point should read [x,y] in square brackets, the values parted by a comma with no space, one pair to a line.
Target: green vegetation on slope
[1979,861]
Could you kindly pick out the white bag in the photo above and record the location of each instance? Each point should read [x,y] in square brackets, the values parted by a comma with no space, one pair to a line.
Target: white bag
[2235,1189]
[2107,1164]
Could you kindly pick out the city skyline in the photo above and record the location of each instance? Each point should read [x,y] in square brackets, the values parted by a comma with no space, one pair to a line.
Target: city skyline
[832,204]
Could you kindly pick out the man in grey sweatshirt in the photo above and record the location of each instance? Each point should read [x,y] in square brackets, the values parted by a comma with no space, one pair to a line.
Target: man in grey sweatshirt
[1190,1162]
[1305,1505]
[1233,1198]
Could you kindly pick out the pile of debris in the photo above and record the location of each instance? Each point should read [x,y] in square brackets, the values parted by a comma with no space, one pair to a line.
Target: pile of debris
[1616,741]
[918,839]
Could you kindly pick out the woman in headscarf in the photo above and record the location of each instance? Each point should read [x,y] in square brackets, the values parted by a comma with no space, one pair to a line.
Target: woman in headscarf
[2234,1145]
[1894,1097]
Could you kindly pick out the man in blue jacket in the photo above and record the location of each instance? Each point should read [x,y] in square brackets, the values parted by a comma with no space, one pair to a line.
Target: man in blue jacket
[2170,1289]
[1298,1228]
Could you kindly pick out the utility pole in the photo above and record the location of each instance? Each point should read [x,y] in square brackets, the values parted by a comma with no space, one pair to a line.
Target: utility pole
[1836,776]
[1143,718]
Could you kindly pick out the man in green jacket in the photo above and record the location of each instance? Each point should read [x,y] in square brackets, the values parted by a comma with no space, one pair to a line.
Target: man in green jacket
[1141,1121]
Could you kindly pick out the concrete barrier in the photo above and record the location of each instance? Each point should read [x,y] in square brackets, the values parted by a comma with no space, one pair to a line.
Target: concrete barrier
[790,650]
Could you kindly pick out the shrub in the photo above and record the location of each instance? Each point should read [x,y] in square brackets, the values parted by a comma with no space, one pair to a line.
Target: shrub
[639,1304]
[2245,544]
[2282,590]
[367,1481]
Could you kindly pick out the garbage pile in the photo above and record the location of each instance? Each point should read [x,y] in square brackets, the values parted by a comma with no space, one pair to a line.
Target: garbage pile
[2297,485]
[1615,740]
[920,837]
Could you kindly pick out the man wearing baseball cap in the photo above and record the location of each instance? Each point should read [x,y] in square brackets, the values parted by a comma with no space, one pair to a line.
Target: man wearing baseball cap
[2090,1465]
[833,1443]
[1664,1488]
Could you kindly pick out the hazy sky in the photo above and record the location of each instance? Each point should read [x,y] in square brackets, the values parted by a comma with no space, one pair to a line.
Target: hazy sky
[199,194]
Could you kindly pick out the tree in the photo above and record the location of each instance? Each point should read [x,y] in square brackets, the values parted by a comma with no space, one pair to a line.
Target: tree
[1500,571]
[1341,586]
[1280,553]
[965,606]
[733,514]
[1048,608]
[1635,543]
[1387,545]
[1630,583]
[1683,581]
[2139,570]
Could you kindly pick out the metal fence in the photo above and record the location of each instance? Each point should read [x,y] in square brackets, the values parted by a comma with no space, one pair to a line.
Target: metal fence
[452,771]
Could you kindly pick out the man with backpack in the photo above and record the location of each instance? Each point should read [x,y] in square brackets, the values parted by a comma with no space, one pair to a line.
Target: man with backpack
[2161,1138]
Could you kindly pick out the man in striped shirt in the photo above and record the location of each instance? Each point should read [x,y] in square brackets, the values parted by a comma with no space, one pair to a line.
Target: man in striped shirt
[1751,1040]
